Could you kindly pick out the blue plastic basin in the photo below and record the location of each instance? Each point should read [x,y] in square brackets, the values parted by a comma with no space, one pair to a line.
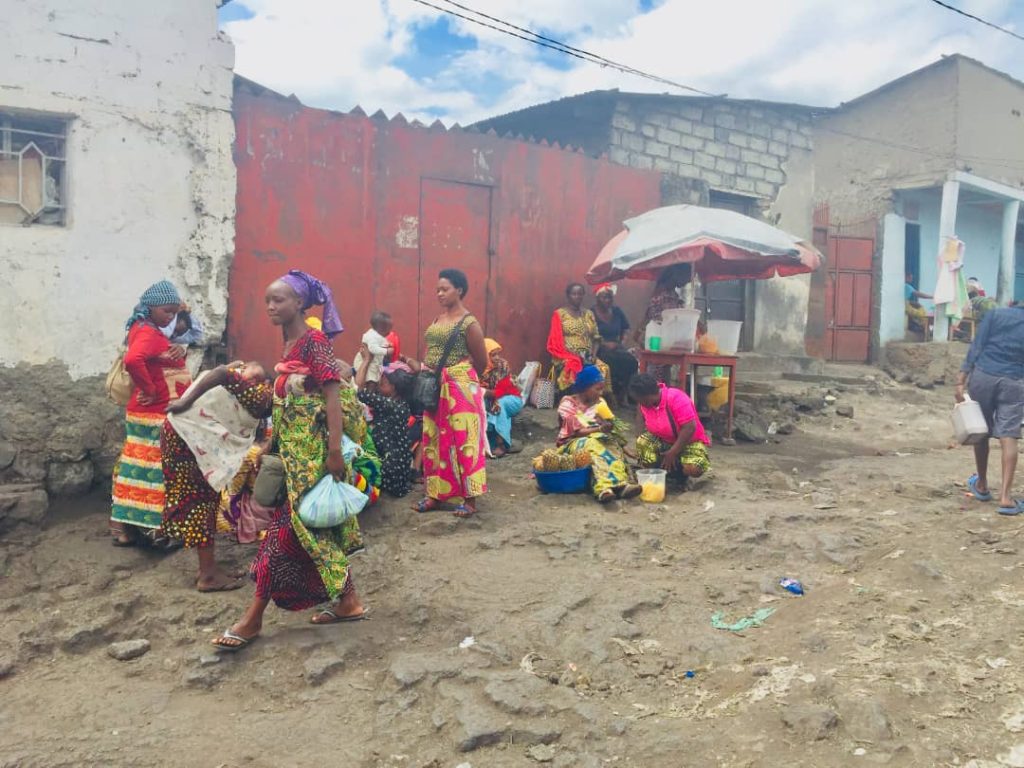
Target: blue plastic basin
[570,481]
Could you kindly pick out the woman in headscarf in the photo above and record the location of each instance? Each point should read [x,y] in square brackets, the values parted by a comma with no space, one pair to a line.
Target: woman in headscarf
[612,325]
[573,339]
[585,424]
[206,439]
[454,451]
[389,402]
[157,378]
[502,399]
[299,567]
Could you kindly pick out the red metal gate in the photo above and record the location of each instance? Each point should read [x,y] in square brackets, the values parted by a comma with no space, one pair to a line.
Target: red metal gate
[849,293]
[455,232]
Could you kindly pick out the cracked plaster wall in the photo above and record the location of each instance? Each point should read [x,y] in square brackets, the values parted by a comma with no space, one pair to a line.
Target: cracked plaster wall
[147,88]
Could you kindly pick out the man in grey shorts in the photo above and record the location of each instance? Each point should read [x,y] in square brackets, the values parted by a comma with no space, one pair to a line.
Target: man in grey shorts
[995,369]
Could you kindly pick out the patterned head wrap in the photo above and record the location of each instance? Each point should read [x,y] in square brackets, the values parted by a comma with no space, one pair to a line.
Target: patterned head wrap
[315,293]
[606,288]
[157,295]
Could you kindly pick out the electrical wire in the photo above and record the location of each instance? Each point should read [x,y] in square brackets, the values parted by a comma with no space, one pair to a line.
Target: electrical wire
[546,42]
[978,19]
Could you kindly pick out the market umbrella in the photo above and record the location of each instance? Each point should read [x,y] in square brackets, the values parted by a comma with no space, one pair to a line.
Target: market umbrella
[720,244]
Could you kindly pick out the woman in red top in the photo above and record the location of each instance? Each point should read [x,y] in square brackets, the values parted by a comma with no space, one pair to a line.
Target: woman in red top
[158,376]
[299,567]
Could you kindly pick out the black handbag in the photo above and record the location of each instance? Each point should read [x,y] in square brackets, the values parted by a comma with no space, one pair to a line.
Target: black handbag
[426,391]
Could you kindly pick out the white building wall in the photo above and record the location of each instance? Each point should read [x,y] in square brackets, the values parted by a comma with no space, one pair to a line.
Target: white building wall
[151,181]
[150,194]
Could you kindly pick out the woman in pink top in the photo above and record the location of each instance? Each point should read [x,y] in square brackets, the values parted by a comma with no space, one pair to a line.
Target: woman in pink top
[674,439]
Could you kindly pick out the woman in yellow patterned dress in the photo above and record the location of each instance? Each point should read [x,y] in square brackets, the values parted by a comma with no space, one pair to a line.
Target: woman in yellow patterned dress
[454,434]
[574,339]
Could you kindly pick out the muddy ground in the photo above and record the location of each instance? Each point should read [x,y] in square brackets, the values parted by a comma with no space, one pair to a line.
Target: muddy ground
[592,625]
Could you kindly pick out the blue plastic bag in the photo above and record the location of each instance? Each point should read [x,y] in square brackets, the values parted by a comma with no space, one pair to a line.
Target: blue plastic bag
[330,503]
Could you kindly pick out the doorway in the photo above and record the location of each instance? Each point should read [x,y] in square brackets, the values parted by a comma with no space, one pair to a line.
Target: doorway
[455,232]
[912,253]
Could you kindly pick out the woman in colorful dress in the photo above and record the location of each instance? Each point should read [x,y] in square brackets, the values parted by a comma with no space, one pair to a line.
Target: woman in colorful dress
[206,439]
[454,451]
[158,376]
[502,398]
[585,424]
[573,339]
[612,324]
[298,567]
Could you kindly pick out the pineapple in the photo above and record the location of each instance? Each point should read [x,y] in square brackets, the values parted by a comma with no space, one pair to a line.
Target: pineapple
[582,459]
[538,464]
[551,460]
[566,462]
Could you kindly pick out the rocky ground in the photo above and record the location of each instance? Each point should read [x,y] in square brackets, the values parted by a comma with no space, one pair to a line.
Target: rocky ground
[549,630]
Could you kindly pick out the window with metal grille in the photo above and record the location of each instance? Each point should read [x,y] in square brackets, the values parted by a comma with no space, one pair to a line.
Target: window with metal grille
[33,188]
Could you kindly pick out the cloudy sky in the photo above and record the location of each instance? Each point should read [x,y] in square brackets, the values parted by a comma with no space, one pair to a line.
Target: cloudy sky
[399,55]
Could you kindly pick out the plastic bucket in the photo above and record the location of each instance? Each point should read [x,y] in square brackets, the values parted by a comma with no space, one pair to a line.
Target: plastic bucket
[570,481]
[679,329]
[727,334]
[652,483]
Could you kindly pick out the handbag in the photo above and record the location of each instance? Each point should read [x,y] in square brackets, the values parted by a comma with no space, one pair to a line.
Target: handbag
[527,378]
[330,503]
[543,395]
[426,390]
[119,383]
[269,488]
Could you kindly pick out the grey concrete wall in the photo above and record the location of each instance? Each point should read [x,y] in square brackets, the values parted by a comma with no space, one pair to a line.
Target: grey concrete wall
[731,146]
[990,128]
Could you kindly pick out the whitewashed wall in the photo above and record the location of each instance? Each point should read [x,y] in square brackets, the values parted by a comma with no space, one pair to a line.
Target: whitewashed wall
[151,180]
[150,194]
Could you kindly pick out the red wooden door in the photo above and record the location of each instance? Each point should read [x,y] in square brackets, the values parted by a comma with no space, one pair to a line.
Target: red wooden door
[848,297]
[455,232]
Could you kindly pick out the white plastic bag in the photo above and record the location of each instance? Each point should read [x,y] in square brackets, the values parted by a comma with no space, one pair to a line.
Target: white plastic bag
[527,378]
[330,503]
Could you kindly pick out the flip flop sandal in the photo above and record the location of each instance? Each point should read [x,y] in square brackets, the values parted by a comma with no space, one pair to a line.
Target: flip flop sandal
[1016,509]
[606,496]
[972,486]
[631,491]
[335,618]
[227,634]
[115,541]
[426,505]
[226,587]
[463,511]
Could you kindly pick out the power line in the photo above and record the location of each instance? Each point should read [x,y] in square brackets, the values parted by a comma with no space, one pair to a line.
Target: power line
[546,42]
[978,19]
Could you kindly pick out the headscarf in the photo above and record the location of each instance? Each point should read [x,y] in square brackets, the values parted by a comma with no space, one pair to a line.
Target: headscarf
[157,295]
[606,288]
[588,377]
[491,346]
[315,293]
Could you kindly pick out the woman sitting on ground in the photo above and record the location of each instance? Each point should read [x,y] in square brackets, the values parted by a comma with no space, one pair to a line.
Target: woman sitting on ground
[390,426]
[673,437]
[206,438]
[573,339]
[585,424]
[502,398]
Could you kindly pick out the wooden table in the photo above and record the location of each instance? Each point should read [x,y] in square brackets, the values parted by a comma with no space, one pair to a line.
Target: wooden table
[686,360]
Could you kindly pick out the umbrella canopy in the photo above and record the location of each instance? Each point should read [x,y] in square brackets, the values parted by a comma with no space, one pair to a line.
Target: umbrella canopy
[720,244]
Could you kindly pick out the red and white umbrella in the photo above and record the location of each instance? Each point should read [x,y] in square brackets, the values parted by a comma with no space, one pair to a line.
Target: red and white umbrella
[719,244]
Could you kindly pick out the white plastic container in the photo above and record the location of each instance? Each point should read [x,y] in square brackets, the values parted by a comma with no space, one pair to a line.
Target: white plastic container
[654,331]
[969,425]
[727,334]
[679,330]
[652,483]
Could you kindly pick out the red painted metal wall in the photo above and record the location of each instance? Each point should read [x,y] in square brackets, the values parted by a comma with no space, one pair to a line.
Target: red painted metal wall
[376,207]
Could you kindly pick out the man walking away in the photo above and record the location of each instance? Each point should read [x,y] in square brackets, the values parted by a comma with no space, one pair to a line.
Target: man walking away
[994,368]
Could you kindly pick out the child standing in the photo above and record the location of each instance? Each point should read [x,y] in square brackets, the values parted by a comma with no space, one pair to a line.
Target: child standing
[674,439]
[378,346]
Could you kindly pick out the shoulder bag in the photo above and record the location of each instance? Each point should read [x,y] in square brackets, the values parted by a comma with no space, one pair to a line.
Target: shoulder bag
[119,383]
[426,391]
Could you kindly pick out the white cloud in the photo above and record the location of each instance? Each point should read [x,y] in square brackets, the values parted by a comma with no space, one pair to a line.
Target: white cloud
[337,54]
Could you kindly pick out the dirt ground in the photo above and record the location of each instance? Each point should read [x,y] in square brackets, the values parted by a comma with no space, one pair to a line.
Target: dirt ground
[592,625]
